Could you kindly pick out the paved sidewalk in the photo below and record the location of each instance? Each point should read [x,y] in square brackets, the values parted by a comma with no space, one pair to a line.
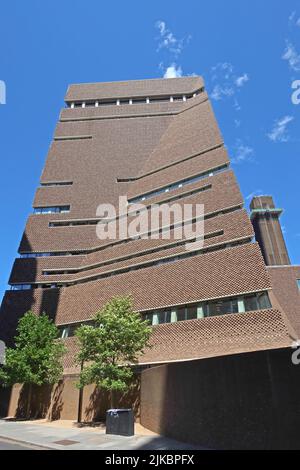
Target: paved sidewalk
[83,439]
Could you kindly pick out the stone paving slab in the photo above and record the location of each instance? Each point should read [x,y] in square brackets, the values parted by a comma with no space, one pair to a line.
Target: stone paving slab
[46,436]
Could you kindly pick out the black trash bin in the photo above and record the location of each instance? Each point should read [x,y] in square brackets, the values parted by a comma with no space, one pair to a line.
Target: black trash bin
[120,421]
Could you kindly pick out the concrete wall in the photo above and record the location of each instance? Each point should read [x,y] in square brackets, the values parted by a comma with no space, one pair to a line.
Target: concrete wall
[247,401]
[61,401]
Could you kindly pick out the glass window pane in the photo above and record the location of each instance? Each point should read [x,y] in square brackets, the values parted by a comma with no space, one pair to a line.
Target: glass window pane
[229,306]
[181,314]
[250,303]
[241,305]
[173,316]
[263,300]
[191,312]
[215,308]
[200,311]
[167,316]
[161,317]
[155,318]
[148,317]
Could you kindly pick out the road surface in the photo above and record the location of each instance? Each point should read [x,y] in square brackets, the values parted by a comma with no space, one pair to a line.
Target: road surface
[11,445]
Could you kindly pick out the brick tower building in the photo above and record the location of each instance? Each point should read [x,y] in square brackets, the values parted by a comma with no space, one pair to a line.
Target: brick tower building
[156,141]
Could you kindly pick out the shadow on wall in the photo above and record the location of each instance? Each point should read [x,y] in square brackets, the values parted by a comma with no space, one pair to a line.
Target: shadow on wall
[246,401]
[16,303]
[57,403]
[5,394]
[97,401]
[61,401]
[46,402]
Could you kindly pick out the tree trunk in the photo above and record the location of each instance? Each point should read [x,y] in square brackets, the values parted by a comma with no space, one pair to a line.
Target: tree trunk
[112,398]
[80,405]
[80,398]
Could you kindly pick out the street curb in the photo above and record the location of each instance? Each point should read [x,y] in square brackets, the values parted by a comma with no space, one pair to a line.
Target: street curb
[19,441]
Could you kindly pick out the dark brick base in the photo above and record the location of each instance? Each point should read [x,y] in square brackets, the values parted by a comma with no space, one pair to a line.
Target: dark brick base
[246,401]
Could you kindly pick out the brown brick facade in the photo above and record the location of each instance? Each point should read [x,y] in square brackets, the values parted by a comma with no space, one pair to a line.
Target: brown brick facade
[243,401]
[165,134]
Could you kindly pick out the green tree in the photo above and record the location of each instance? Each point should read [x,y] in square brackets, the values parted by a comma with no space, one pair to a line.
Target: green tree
[36,357]
[110,348]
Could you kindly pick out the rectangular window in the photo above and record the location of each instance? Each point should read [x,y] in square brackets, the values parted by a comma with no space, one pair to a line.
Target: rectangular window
[51,210]
[298,283]
[200,311]
[263,300]
[57,183]
[241,304]
[165,316]
[173,315]
[168,314]
[148,317]
[191,312]
[139,101]
[21,287]
[181,314]
[65,332]
[215,308]
[220,307]
[251,303]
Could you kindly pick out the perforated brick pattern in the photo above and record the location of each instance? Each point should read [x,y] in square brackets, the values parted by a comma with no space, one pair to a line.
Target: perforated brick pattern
[208,337]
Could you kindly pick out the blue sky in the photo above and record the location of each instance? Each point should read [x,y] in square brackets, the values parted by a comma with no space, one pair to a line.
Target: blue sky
[247,51]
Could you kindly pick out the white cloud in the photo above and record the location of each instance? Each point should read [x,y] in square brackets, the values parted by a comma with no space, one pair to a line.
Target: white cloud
[173,46]
[168,41]
[237,123]
[173,71]
[257,192]
[242,152]
[219,92]
[236,105]
[291,55]
[279,130]
[226,83]
[293,20]
[292,17]
[240,81]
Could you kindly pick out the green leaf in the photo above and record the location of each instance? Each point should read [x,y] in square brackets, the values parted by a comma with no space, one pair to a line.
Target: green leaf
[108,350]
[36,357]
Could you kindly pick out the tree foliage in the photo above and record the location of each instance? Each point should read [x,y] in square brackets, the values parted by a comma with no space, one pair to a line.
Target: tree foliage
[109,348]
[36,357]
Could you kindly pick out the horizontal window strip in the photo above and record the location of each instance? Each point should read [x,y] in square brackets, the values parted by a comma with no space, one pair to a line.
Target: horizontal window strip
[216,307]
[51,210]
[130,256]
[85,251]
[131,116]
[196,310]
[44,254]
[179,184]
[56,183]
[133,100]
[73,137]
[150,263]
[81,222]
[127,240]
